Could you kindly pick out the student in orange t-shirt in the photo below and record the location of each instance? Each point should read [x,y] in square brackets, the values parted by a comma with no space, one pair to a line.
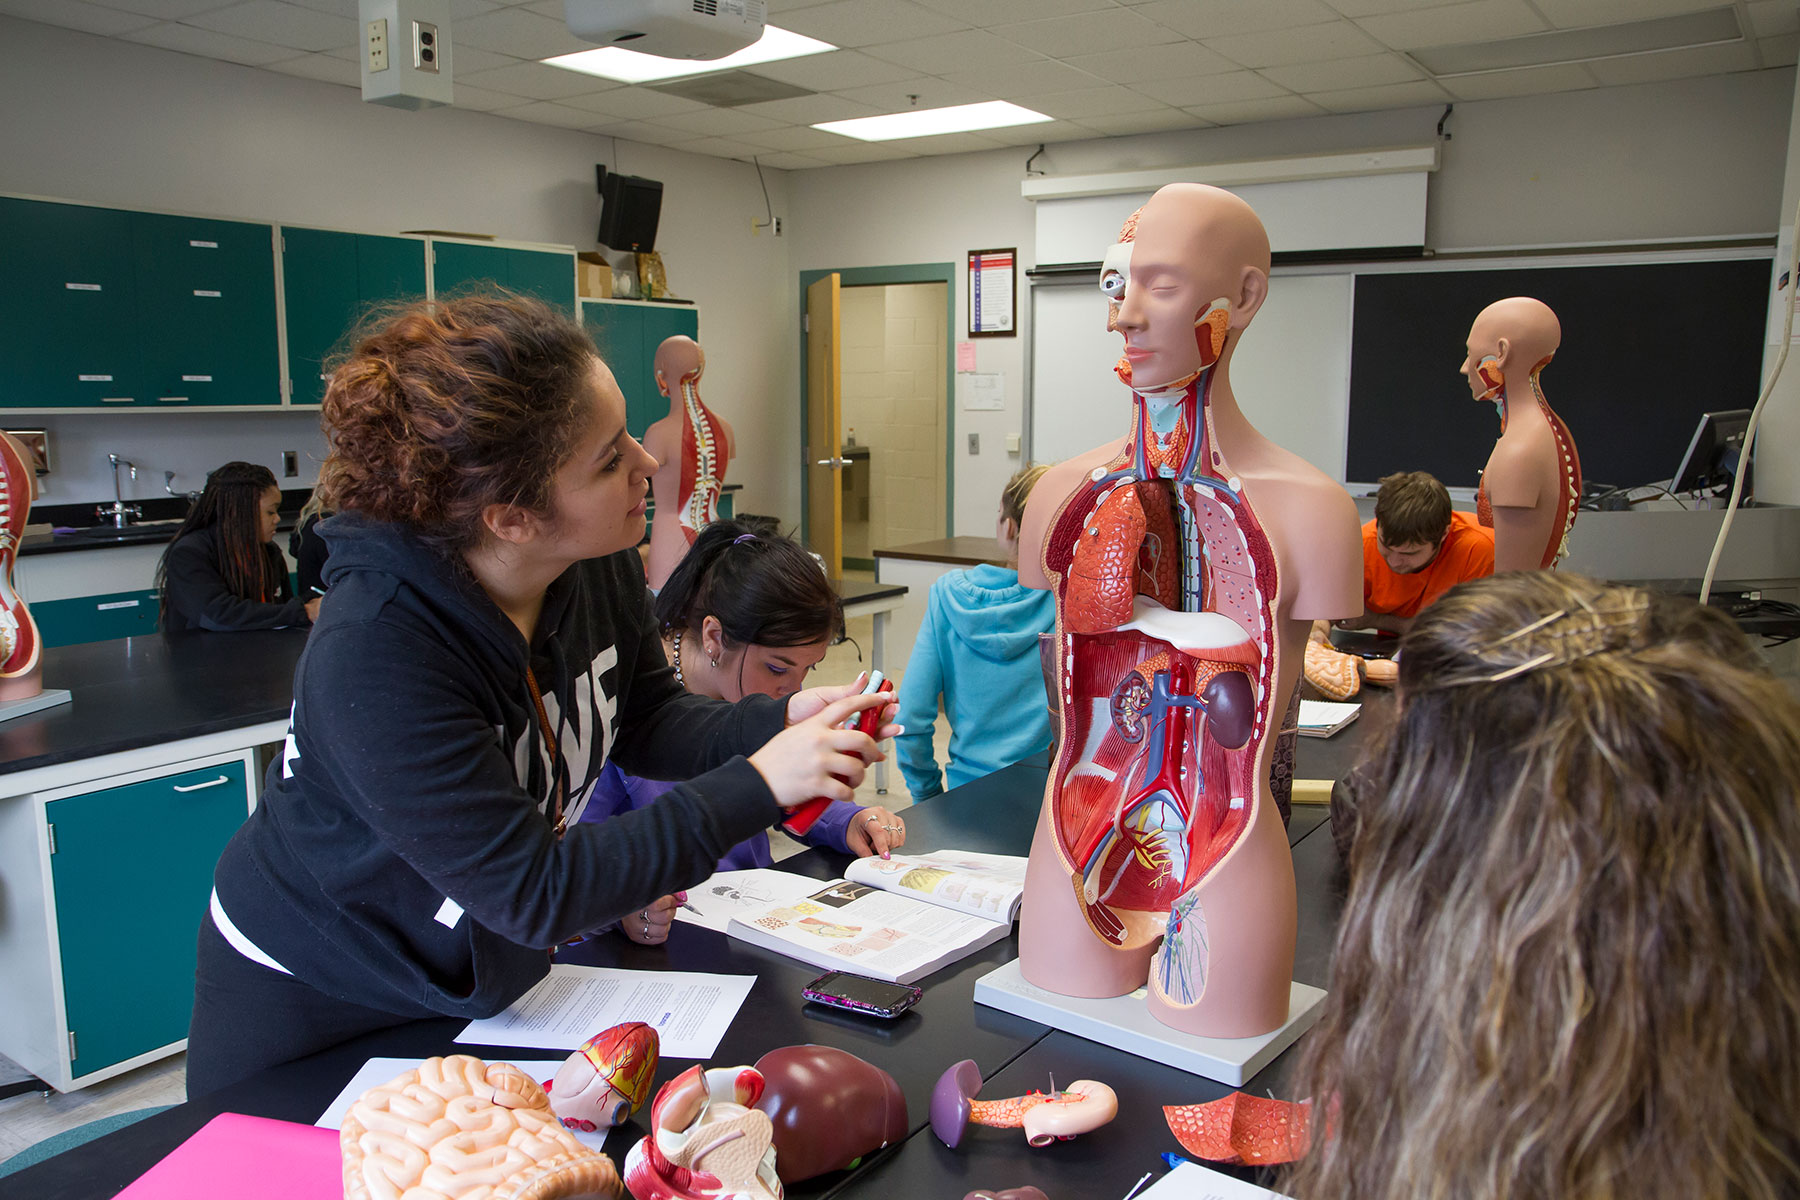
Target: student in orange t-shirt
[1415,550]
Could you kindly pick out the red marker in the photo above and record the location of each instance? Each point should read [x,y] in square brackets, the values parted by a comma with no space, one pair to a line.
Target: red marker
[802,817]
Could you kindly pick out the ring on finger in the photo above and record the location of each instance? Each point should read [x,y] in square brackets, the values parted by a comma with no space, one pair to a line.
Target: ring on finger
[873,817]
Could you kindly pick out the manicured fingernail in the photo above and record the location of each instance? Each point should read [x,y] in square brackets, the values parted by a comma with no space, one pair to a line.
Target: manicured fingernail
[681,897]
[899,729]
[885,854]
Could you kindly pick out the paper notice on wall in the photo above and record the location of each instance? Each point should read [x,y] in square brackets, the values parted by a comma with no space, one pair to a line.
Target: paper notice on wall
[992,284]
[965,356]
[982,392]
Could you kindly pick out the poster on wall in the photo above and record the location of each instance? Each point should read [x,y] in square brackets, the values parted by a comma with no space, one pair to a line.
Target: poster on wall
[993,292]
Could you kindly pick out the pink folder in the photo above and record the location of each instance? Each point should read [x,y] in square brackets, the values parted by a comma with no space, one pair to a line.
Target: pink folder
[235,1155]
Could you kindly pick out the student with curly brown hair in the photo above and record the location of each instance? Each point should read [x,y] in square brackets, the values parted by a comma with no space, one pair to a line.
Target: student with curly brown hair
[1569,963]
[487,646]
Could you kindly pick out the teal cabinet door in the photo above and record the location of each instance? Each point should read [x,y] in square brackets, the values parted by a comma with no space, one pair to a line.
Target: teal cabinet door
[463,266]
[131,872]
[97,618]
[548,275]
[67,307]
[206,305]
[330,281]
[627,335]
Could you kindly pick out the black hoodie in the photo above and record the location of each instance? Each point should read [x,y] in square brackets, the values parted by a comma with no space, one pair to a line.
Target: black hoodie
[402,857]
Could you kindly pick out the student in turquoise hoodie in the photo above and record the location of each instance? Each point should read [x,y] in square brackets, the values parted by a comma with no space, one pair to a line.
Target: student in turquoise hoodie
[978,648]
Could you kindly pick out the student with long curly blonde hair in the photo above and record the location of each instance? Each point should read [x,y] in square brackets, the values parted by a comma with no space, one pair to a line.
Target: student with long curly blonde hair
[1569,964]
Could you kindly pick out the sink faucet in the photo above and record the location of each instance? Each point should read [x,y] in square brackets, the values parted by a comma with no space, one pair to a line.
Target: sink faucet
[118,513]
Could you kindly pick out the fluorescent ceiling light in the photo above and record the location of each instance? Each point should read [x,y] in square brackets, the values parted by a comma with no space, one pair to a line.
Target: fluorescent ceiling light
[628,66]
[1709,27]
[928,122]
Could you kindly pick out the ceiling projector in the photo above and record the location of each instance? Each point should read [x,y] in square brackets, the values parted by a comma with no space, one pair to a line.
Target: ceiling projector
[702,29]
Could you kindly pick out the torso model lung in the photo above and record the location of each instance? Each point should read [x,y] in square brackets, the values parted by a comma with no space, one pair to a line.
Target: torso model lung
[694,445]
[1188,560]
[21,649]
[1531,487]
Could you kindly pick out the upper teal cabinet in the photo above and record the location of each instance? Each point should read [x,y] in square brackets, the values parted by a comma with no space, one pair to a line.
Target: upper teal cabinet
[627,333]
[547,274]
[103,308]
[331,280]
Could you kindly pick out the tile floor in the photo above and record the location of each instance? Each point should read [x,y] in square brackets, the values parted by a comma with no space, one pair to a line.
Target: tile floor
[27,1119]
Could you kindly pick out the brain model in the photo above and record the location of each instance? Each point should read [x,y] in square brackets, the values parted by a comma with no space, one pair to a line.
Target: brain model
[459,1129]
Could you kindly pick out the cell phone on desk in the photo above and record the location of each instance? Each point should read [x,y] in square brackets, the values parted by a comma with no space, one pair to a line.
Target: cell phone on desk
[859,994]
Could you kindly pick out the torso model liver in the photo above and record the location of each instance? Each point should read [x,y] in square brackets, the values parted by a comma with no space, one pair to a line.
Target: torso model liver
[1188,560]
[1531,488]
[694,446]
[21,647]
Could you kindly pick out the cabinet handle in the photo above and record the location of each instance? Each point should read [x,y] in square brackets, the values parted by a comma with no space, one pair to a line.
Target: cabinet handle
[116,399]
[194,787]
[171,399]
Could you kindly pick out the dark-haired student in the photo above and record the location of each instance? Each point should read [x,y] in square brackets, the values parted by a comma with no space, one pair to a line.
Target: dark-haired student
[223,572]
[747,613]
[487,648]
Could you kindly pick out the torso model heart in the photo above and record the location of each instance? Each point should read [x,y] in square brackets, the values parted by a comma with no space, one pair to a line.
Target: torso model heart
[21,647]
[694,446]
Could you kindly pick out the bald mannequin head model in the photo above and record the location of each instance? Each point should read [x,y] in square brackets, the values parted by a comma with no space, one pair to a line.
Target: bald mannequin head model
[1531,487]
[692,445]
[1188,559]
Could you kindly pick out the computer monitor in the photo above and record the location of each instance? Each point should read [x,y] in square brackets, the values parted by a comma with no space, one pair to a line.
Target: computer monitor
[1712,457]
[629,208]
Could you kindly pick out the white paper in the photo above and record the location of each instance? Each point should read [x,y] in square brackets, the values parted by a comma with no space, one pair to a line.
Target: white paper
[731,893]
[690,1010]
[982,392]
[378,1071]
[1325,714]
[1191,1181]
[988,885]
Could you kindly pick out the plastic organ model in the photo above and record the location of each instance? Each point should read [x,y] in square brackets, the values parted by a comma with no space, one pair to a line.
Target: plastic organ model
[1179,646]
[1082,1107]
[21,648]
[707,1140]
[458,1128]
[607,1079]
[694,446]
[1241,1128]
[829,1108]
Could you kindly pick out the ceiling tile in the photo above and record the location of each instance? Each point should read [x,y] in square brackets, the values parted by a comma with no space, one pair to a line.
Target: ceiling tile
[518,32]
[542,112]
[984,13]
[785,161]
[792,137]
[788,6]
[464,60]
[1025,78]
[478,99]
[1044,131]
[207,44]
[1367,8]
[810,110]
[1454,24]
[1675,64]
[167,10]
[1202,19]
[459,9]
[717,122]
[1248,112]
[1362,71]
[1781,50]
[1130,67]
[1531,81]
[633,104]
[1309,43]
[853,151]
[1151,122]
[1060,37]
[535,80]
[1091,102]
[1374,99]
[917,92]
[718,147]
[340,8]
[642,131]
[945,143]
[1578,14]
[828,72]
[852,23]
[1185,91]
[323,67]
[950,53]
[73,14]
[282,24]
[1774,16]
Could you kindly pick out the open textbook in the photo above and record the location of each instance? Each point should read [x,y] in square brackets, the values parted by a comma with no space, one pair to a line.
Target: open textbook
[897,919]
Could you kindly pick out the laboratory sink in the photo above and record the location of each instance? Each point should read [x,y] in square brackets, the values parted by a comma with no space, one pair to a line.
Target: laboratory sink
[147,531]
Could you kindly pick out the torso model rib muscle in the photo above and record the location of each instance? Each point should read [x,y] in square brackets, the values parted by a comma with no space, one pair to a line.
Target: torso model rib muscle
[21,649]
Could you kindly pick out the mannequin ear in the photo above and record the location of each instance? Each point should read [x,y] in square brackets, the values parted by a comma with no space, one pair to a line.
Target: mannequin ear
[510,523]
[712,637]
[1502,354]
[662,385]
[1253,289]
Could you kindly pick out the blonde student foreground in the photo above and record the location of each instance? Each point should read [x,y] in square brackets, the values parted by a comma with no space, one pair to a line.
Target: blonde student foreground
[1569,964]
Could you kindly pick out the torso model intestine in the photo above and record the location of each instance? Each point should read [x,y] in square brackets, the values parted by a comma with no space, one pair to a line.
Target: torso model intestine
[1188,561]
[694,445]
[21,647]
[1530,490]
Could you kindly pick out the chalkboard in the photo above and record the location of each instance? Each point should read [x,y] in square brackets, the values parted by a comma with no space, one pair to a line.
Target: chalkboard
[1646,348]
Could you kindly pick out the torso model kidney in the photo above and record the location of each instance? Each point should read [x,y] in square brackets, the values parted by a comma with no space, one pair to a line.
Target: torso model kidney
[694,446]
[1188,559]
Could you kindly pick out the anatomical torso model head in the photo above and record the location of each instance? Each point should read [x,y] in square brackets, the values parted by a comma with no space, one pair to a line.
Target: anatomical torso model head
[1188,559]
[694,445]
[1531,487]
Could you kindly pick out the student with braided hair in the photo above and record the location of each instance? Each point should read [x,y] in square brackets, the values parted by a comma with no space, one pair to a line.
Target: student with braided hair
[1569,961]
[223,572]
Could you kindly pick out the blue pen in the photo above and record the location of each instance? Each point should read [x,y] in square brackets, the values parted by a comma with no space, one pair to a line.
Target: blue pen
[1174,1160]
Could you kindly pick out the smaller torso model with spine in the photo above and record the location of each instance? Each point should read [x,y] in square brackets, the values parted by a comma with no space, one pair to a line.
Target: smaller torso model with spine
[21,649]
[694,445]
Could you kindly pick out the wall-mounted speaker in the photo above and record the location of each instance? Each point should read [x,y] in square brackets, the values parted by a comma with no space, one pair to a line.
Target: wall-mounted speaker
[629,209]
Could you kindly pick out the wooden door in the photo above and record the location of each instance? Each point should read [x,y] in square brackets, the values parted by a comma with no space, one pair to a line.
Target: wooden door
[824,425]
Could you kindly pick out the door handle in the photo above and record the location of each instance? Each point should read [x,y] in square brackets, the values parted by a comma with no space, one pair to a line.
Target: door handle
[195,787]
[836,464]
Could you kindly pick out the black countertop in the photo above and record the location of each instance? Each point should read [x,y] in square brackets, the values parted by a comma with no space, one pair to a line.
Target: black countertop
[144,691]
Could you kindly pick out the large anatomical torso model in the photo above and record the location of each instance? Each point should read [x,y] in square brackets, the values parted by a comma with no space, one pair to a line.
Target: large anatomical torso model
[1531,487]
[694,446]
[1187,561]
[21,648]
